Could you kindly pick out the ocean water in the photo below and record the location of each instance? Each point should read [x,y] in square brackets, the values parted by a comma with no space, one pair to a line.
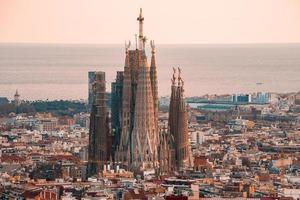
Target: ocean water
[57,71]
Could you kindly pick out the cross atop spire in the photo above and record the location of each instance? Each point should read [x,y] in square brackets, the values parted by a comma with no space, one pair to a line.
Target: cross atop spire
[140,18]
[141,36]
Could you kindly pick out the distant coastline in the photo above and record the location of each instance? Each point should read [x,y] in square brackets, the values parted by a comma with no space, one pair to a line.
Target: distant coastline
[59,71]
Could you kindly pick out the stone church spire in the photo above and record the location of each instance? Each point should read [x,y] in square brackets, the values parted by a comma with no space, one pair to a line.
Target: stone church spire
[123,149]
[17,100]
[172,106]
[137,149]
[178,122]
[144,135]
[154,84]
[183,153]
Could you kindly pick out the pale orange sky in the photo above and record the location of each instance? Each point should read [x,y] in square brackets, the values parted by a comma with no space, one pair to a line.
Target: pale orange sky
[166,21]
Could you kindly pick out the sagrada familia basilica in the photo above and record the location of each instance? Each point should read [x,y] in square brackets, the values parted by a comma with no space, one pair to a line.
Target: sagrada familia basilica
[135,141]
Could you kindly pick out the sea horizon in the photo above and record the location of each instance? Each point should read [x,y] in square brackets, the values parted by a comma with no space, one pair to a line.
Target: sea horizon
[59,71]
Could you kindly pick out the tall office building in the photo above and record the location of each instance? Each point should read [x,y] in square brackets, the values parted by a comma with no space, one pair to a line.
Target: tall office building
[91,76]
[178,122]
[99,133]
[116,110]
[139,131]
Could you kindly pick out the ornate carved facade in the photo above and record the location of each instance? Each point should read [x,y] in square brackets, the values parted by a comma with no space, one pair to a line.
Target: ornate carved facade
[166,152]
[178,122]
[140,144]
[137,149]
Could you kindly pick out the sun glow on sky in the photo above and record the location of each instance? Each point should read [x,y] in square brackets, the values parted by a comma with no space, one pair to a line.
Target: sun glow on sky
[167,21]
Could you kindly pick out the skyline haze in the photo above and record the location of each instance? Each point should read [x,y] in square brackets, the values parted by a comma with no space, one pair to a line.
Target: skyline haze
[168,22]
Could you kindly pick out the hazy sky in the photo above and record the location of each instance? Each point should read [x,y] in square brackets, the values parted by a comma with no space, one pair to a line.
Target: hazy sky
[166,21]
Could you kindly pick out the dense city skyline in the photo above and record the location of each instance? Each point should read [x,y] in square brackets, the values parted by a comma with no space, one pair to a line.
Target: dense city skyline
[130,143]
